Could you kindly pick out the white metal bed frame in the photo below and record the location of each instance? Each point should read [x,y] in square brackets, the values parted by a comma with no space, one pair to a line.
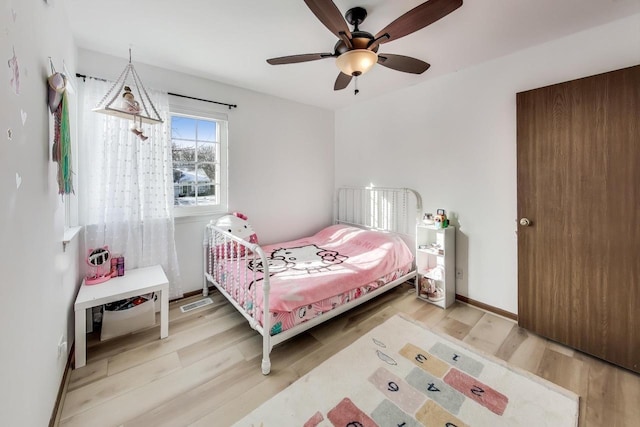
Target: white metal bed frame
[383,209]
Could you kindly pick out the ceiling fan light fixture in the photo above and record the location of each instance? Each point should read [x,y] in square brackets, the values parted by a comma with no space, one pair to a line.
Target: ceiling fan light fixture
[356,62]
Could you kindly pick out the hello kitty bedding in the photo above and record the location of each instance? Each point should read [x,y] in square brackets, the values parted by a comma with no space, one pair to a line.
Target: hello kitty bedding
[315,274]
[285,289]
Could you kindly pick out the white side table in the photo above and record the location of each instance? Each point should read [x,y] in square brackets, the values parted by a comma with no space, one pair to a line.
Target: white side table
[134,282]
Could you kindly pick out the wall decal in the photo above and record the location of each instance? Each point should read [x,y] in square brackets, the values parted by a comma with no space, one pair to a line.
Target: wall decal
[23,116]
[9,134]
[18,180]
[15,73]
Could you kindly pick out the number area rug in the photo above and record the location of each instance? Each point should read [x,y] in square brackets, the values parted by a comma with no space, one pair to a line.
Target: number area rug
[401,374]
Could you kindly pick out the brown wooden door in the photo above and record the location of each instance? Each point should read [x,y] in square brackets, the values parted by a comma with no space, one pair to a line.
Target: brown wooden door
[579,185]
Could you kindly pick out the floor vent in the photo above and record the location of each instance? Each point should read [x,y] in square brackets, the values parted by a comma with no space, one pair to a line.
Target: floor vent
[196,304]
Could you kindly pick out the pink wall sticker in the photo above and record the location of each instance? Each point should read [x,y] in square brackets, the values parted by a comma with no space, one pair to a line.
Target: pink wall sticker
[14,71]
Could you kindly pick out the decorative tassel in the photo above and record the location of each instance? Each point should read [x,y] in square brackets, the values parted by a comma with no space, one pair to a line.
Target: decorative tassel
[62,147]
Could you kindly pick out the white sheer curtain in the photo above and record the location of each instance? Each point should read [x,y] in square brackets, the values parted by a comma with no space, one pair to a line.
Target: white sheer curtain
[126,185]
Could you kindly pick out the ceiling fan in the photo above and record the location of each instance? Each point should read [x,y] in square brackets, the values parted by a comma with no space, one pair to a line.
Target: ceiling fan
[356,52]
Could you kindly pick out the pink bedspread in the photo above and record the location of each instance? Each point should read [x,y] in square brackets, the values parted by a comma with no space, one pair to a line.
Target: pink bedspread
[312,275]
[337,259]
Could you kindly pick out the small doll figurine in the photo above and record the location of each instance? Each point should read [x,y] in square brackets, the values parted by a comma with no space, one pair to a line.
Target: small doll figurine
[129,104]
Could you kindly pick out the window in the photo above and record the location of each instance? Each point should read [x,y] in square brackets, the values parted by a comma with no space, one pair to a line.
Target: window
[199,153]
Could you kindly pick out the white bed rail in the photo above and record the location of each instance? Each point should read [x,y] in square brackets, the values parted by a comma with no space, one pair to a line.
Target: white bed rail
[379,208]
[226,261]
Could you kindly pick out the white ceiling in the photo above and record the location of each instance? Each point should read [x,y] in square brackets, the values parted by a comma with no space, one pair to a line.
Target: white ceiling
[230,40]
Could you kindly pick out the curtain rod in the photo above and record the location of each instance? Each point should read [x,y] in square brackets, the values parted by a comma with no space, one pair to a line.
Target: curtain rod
[84,77]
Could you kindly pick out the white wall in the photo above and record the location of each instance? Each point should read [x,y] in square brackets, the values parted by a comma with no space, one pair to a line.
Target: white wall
[454,139]
[280,159]
[39,281]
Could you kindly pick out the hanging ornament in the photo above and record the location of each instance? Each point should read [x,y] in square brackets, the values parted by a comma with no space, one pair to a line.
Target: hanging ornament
[120,100]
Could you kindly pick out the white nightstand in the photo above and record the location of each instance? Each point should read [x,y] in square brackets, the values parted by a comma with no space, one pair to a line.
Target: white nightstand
[135,282]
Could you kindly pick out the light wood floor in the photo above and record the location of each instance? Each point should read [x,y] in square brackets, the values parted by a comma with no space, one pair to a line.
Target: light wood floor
[207,372]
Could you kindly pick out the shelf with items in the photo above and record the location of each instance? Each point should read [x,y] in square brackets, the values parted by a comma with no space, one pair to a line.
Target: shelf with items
[431,250]
[435,263]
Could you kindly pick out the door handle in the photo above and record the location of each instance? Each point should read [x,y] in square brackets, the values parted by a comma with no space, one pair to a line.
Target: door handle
[525,222]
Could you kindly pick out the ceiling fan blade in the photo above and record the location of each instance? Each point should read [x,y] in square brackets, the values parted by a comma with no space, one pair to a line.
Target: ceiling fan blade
[342,81]
[298,58]
[329,14]
[403,63]
[417,18]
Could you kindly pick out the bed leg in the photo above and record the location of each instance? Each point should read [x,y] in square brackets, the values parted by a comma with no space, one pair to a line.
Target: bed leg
[266,351]
[205,285]
[266,365]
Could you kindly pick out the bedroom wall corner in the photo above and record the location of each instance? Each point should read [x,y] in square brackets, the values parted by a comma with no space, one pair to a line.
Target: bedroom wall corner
[39,280]
[453,139]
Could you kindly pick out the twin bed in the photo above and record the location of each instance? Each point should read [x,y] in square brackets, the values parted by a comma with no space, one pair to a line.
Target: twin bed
[286,288]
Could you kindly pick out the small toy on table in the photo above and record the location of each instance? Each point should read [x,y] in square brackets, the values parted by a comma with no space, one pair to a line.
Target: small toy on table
[100,264]
[441,220]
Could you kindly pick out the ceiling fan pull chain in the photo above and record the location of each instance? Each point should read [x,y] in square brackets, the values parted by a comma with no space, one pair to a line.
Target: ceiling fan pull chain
[356,90]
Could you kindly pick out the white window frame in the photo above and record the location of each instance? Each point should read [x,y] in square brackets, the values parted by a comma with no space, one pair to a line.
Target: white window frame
[201,110]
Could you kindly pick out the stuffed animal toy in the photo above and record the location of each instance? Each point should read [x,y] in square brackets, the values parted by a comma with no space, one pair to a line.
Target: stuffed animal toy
[237,225]
[441,220]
